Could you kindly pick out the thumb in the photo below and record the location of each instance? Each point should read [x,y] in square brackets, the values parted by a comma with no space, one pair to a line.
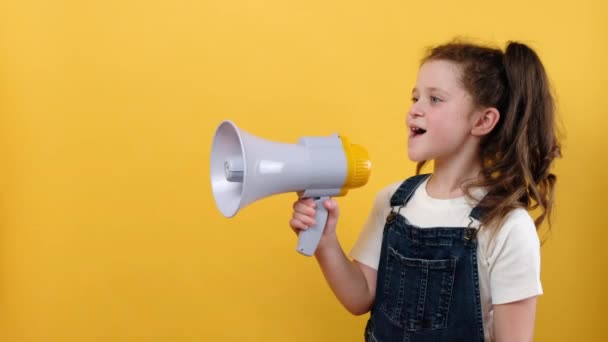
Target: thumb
[333,212]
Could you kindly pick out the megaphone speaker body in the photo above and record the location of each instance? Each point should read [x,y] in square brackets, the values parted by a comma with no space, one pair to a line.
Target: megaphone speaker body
[246,168]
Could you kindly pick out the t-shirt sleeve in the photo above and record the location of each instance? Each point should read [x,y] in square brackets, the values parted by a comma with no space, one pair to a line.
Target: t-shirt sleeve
[515,260]
[366,249]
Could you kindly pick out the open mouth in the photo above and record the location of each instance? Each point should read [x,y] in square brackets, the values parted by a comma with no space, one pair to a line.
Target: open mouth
[417,131]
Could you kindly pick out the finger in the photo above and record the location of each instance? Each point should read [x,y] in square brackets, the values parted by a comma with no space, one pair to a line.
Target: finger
[304,208]
[305,219]
[330,204]
[297,225]
[333,211]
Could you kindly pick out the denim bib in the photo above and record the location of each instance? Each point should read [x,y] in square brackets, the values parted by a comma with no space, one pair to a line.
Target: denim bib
[428,282]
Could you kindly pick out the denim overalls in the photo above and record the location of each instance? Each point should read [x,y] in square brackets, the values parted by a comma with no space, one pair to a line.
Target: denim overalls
[428,283]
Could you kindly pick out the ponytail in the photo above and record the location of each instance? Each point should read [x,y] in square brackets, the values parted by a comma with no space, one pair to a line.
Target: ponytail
[528,126]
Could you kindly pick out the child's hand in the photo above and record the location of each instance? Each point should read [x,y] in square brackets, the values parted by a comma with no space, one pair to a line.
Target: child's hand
[304,212]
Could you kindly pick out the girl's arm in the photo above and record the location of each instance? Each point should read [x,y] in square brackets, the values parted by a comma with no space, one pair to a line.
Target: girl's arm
[515,321]
[353,283]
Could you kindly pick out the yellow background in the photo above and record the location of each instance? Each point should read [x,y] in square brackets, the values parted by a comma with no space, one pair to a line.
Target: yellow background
[108,229]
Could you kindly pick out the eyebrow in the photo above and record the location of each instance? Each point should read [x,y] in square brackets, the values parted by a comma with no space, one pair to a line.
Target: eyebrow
[431,89]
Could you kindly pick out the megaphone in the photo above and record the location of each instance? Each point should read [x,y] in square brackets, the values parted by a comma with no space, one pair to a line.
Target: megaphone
[245,168]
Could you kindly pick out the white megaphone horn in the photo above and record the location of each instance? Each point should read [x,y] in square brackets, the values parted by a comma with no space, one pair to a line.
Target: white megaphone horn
[245,168]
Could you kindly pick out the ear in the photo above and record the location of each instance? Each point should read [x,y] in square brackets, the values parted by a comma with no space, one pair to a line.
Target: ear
[485,121]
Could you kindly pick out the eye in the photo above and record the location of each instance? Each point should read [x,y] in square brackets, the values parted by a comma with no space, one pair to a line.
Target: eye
[435,99]
[414,99]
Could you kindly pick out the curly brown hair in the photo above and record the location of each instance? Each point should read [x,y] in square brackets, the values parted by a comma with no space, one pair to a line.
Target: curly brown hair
[517,155]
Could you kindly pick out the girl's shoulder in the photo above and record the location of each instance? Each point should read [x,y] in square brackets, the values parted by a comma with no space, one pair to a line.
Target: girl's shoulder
[519,221]
[517,234]
[391,188]
[383,196]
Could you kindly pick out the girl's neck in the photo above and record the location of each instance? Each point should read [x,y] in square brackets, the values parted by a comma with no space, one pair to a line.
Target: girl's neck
[449,176]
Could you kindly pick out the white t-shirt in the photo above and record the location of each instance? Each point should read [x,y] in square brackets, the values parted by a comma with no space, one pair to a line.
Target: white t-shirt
[508,264]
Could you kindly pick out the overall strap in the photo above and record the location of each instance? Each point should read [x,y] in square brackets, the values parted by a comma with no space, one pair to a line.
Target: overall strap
[406,190]
[477,213]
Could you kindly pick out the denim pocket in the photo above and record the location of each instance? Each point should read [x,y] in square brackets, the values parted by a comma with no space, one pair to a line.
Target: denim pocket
[417,292]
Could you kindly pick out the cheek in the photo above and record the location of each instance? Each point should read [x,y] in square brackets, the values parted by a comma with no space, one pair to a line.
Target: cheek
[441,125]
[447,129]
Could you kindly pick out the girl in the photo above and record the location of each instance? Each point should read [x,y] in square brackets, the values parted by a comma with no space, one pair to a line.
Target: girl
[454,255]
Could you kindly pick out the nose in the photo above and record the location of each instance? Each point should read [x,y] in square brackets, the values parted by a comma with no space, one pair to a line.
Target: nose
[415,110]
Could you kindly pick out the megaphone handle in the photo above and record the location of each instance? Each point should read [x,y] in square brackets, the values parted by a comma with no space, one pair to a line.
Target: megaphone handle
[308,239]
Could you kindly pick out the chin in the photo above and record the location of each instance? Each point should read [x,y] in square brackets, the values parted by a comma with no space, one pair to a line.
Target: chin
[415,157]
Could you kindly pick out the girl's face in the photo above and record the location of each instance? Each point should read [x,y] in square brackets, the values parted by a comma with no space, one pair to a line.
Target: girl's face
[439,121]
